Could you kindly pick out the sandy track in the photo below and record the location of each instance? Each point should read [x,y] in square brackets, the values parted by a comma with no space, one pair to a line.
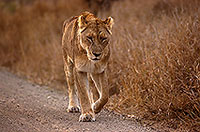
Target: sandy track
[25,107]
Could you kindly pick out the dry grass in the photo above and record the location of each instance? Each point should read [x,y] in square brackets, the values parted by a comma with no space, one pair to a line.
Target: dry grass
[156,56]
[30,39]
[155,53]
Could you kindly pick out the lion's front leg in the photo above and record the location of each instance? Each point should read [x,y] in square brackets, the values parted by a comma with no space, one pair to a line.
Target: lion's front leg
[87,114]
[101,82]
[73,105]
[94,91]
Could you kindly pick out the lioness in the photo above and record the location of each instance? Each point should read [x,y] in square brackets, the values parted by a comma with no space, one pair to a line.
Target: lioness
[86,51]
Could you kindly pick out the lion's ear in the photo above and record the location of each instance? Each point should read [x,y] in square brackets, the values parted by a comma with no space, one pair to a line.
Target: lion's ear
[82,23]
[109,23]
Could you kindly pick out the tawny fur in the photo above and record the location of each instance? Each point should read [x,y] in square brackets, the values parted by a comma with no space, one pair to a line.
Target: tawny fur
[86,52]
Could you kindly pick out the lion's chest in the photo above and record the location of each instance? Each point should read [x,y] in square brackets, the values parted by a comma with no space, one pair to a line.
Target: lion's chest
[89,66]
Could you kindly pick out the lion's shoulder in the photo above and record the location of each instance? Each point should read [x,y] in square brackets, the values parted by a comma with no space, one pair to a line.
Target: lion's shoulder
[68,22]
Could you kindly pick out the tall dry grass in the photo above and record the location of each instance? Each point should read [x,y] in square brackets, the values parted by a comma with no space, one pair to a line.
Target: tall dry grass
[155,58]
[156,54]
[30,39]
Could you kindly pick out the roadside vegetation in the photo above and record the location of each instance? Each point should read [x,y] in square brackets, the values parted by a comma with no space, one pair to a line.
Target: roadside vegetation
[155,60]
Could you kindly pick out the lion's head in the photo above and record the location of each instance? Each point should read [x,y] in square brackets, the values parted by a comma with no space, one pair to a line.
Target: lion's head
[94,34]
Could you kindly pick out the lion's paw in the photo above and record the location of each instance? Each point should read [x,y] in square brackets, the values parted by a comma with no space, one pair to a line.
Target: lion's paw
[96,107]
[73,109]
[86,118]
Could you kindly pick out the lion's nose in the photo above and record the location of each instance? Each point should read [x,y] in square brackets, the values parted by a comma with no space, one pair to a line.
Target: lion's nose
[96,54]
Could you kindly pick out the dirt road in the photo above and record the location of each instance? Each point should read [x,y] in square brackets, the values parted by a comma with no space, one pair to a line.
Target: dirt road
[25,107]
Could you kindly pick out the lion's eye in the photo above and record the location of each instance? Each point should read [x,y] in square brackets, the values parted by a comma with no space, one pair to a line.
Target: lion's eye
[103,39]
[89,38]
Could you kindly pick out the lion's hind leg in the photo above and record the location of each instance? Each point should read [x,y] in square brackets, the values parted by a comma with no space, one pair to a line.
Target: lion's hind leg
[73,105]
